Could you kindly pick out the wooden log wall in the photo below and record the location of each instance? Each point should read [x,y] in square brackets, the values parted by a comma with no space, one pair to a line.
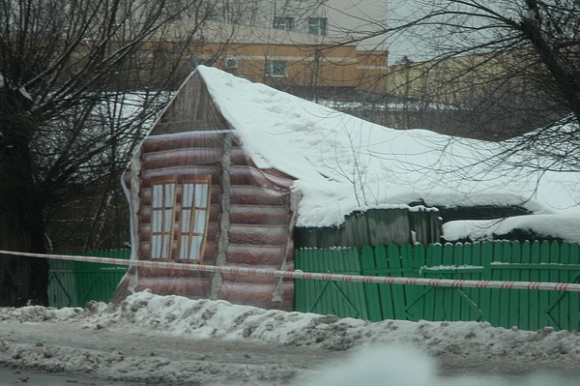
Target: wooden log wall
[188,141]
[260,233]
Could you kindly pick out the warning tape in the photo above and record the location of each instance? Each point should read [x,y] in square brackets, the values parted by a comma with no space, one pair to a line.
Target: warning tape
[297,274]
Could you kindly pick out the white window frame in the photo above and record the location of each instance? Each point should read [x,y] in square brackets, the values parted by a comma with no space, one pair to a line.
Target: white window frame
[276,69]
[317,26]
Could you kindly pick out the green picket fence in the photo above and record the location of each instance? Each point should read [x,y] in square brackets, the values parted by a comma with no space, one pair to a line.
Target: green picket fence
[513,261]
[73,283]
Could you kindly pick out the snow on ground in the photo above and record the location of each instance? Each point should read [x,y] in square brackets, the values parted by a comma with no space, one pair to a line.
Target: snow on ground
[405,353]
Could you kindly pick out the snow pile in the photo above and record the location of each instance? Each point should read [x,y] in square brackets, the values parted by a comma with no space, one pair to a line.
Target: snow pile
[343,164]
[207,319]
[223,320]
[411,352]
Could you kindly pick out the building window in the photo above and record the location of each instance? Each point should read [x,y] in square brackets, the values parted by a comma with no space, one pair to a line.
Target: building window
[194,218]
[283,22]
[317,26]
[276,69]
[180,215]
[162,217]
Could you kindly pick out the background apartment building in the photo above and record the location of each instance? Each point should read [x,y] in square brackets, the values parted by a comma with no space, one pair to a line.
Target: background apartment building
[288,44]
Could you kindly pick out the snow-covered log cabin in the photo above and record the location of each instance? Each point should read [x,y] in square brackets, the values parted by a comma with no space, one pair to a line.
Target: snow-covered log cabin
[234,173]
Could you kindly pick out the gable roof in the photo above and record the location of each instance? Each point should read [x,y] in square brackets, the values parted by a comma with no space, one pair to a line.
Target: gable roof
[342,163]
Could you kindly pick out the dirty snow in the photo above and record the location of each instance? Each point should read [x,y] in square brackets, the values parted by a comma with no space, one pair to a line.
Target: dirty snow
[343,163]
[313,349]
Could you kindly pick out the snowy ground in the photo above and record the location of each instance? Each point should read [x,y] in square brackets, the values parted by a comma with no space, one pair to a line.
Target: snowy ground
[150,339]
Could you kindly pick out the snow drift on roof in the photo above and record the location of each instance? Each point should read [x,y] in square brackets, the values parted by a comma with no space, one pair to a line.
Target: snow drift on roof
[342,163]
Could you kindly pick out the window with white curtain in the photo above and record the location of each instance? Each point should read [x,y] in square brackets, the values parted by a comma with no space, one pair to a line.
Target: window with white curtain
[162,217]
[194,218]
[180,214]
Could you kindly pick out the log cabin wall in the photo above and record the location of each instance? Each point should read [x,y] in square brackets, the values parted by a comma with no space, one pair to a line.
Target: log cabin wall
[260,233]
[250,221]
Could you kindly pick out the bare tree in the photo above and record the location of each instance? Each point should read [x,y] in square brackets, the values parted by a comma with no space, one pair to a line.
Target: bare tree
[502,67]
[64,69]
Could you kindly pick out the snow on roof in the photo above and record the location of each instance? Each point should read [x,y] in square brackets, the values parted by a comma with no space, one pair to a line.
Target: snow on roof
[342,163]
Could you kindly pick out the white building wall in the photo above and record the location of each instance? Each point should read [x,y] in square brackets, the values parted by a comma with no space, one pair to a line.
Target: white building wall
[345,19]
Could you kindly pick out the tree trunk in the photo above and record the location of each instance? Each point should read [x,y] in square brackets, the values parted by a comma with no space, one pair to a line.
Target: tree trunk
[23,280]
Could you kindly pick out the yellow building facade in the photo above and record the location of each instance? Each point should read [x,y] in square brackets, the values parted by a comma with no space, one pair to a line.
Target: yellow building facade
[461,80]
[277,57]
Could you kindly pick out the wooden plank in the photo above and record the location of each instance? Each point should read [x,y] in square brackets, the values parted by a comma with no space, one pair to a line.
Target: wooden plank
[496,294]
[318,286]
[467,309]
[544,302]
[514,295]
[524,306]
[456,294]
[385,291]
[475,293]
[535,295]
[355,290]
[564,277]
[554,297]
[371,290]
[504,294]
[433,258]
[408,263]
[299,289]
[394,260]
[415,309]
[574,297]
[485,293]
[330,290]
[439,293]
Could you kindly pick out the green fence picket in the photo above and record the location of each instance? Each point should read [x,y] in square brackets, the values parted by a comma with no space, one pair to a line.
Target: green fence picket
[534,294]
[73,283]
[564,297]
[574,297]
[544,296]
[409,270]
[385,291]
[372,298]
[395,268]
[524,301]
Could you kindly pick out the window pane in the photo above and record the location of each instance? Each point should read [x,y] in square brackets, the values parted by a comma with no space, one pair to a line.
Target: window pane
[156,221]
[276,68]
[169,195]
[166,247]
[187,199]
[195,252]
[168,221]
[183,250]
[317,26]
[156,247]
[201,191]
[185,220]
[285,23]
[157,196]
[199,226]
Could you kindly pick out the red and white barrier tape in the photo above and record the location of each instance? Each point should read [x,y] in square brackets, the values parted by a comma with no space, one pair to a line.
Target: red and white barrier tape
[526,285]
